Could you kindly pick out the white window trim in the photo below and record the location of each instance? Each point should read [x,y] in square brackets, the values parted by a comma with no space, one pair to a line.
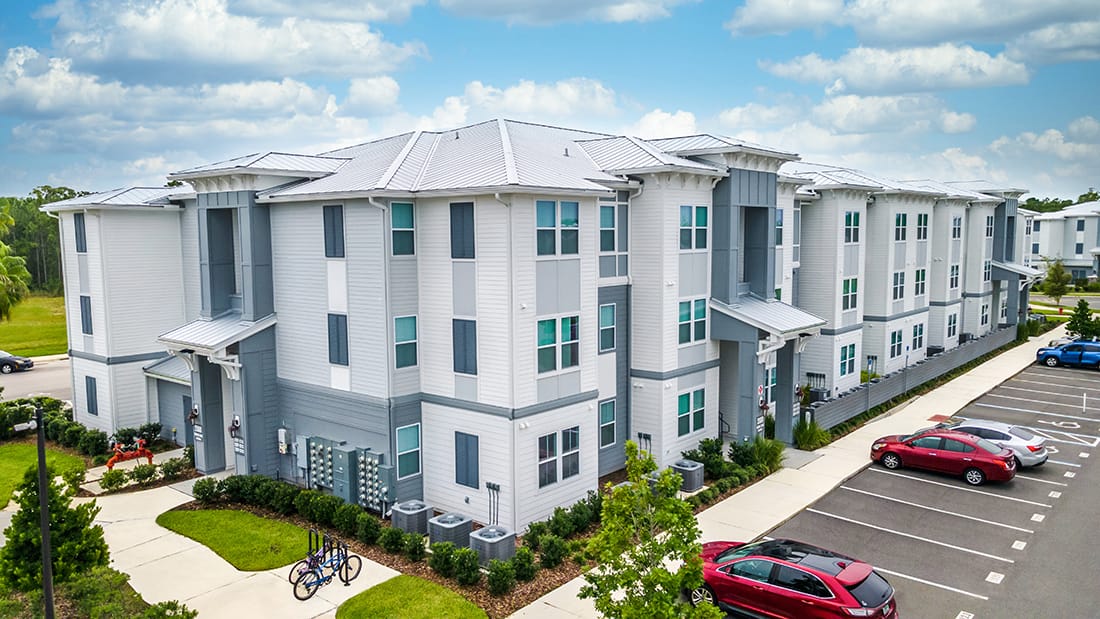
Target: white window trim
[922,228]
[614,326]
[415,341]
[854,227]
[393,230]
[694,228]
[847,365]
[853,295]
[692,340]
[576,450]
[901,227]
[952,325]
[419,451]
[557,345]
[558,228]
[613,423]
[897,338]
[898,289]
[920,282]
[691,411]
[614,206]
[553,458]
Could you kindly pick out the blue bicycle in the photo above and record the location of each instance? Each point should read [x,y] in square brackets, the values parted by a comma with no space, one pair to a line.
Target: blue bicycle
[330,560]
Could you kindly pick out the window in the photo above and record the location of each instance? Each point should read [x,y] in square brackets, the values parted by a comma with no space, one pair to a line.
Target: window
[895,344]
[851,227]
[922,226]
[987,271]
[408,451]
[1027,227]
[778,227]
[404,338]
[988,226]
[1034,248]
[918,337]
[466,461]
[607,423]
[570,452]
[771,377]
[956,227]
[464,346]
[850,294]
[462,230]
[549,344]
[93,395]
[607,327]
[952,325]
[693,321]
[402,228]
[690,412]
[899,285]
[556,221]
[1004,309]
[928,442]
[919,285]
[334,231]
[802,582]
[1080,225]
[1079,248]
[753,569]
[693,230]
[85,314]
[81,233]
[1035,225]
[900,221]
[607,228]
[954,278]
[985,314]
[338,339]
[548,459]
[847,359]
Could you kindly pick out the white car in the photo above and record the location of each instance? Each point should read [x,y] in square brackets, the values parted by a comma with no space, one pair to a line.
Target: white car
[1029,449]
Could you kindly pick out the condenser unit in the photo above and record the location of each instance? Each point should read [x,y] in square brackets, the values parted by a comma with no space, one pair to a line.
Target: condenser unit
[450,527]
[412,516]
[493,542]
[691,472]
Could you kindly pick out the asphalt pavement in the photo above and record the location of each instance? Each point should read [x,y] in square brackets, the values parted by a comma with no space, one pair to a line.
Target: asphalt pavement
[51,375]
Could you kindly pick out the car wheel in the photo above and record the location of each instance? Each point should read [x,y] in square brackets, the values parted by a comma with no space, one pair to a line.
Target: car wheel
[1051,362]
[974,477]
[1019,465]
[891,461]
[7,368]
[702,594]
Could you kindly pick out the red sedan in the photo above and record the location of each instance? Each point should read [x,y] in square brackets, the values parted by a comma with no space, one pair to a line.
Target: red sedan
[947,451]
[785,578]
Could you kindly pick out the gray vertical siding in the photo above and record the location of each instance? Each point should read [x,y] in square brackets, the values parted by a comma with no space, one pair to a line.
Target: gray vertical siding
[207,386]
[258,298]
[614,458]
[172,413]
[260,413]
[406,411]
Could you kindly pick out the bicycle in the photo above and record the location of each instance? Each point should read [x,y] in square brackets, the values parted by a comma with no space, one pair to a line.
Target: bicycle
[338,563]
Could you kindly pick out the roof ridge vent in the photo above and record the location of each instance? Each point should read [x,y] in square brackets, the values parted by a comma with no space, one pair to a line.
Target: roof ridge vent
[456,135]
[566,151]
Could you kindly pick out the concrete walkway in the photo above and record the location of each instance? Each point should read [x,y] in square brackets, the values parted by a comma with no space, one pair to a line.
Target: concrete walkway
[777,498]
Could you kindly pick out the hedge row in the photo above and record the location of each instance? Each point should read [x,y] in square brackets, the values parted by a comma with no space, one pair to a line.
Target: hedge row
[144,474]
[746,462]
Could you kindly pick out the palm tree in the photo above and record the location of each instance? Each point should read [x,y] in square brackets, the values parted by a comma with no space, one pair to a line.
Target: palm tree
[14,276]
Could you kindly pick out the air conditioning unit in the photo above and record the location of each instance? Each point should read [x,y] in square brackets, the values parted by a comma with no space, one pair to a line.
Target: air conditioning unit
[412,516]
[493,542]
[450,527]
[691,472]
[819,394]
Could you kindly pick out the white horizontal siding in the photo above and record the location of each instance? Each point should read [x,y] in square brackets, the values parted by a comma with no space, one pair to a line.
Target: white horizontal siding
[534,503]
[494,304]
[433,235]
[370,330]
[189,251]
[298,276]
[129,395]
[101,372]
[524,348]
[672,446]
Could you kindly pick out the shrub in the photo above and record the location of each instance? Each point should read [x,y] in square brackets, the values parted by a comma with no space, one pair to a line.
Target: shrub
[368,527]
[561,523]
[73,478]
[189,454]
[324,509]
[467,571]
[392,540]
[173,468]
[553,551]
[768,452]
[809,436]
[303,503]
[442,559]
[171,608]
[740,453]
[74,433]
[709,454]
[150,431]
[724,484]
[769,426]
[581,515]
[126,436]
[346,519]
[113,479]
[55,427]
[11,414]
[524,564]
[595,503]
[205,490]
[282,497]
[100,460]
[502,577]
[535,532]
[233,488]
[93,443]
[414,547]
[144,473]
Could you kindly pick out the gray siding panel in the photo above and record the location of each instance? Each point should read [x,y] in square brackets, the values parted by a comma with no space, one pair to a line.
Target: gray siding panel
[464,278]
[172,414]
[260,396]
[403,287]
[613,458]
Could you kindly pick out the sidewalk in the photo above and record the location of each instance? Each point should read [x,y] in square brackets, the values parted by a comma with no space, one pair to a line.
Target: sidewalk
[804,479]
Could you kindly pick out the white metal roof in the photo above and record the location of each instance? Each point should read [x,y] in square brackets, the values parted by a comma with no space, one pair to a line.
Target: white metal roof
[705,143]
[270,162]
[826,176]
[1018,269]
[214,334]
[170,368]
[987,187]
[1084,209]
[126,196]
[624,155]
[770,315]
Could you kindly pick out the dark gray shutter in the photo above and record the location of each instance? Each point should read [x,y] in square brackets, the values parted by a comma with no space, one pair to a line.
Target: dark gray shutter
[334,231]
[93,395]
[462,230]
[338,339]
[466,460]
[81,233]
[464,339]
[86,315]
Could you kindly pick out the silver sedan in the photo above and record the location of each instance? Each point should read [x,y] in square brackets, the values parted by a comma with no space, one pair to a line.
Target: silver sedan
[1030,450]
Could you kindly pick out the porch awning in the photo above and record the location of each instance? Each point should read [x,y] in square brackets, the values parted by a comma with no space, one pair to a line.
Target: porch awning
[171,369]
[775,317]
[1016,269]
[208,336]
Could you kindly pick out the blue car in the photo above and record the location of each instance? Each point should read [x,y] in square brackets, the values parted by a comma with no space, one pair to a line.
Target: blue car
[1073,353]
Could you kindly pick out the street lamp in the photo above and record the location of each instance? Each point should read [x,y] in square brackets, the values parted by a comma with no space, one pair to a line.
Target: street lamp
[43,507]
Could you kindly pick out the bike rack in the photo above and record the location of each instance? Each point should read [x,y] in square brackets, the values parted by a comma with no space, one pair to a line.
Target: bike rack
[328,552]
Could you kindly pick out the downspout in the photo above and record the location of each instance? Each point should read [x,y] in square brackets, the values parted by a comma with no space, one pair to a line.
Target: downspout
[511,345]
[389,336]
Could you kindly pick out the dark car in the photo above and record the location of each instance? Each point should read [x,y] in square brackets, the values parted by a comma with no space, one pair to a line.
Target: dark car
[1072,353]
[12,363]
[785,578]
[947,451]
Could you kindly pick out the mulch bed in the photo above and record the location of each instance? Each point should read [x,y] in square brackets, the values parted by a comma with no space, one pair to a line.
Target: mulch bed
[186,474]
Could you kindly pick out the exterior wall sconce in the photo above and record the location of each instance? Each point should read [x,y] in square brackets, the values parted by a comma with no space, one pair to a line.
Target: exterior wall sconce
[193,416]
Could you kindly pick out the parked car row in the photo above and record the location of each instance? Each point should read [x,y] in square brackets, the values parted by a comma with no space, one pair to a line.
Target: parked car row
[1081,353]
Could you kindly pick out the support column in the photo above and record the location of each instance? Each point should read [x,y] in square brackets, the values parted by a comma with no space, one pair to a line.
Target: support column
[206,384]
[1012,296]
[786,407]
[750,376]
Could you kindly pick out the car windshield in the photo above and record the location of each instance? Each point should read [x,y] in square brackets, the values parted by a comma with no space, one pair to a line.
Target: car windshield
[4,353]
[992,448]
[873,591]
[1021,433]
[736,553]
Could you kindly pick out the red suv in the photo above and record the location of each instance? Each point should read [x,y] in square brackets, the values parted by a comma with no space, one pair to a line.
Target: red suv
[947,451]
[785,578]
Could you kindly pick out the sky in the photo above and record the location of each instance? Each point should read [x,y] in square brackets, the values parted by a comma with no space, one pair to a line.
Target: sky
[99,94]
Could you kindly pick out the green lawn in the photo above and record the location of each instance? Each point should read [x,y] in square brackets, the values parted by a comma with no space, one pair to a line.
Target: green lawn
[409,597]
[248,542]
[37,327]
[16,458]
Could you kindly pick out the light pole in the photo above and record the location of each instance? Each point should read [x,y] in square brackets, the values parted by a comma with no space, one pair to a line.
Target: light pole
[43,508]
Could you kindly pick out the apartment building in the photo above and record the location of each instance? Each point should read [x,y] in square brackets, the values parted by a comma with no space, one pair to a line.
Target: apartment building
[1071,235]
[479,317]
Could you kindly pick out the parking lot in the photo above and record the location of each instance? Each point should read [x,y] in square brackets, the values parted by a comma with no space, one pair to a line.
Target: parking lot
[1000,550]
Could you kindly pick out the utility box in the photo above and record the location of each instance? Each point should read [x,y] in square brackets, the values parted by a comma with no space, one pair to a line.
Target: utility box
[691,472]
[412,516]
[451,527]
[345,473]
[493,542]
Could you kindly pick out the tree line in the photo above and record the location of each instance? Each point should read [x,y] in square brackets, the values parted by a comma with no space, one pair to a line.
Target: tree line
[1049,205]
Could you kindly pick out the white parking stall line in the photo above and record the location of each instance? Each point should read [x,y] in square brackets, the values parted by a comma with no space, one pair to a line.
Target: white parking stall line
[911,536]
[937,510]
[1041,382]
[1069,438]
[1063,463]
[1042,481]
[1069,405]
[1058,394]
[1062,374]
[929,583]
[1083,454]
[982,492]
[1035,412]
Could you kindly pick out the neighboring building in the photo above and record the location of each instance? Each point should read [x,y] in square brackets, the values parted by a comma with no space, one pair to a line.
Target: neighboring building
[1071,235]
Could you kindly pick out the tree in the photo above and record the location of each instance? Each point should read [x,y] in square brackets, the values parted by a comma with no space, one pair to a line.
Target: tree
[76,545]
[14,276]
[1056,283]
[647,548]
[34,234]
[1081,322]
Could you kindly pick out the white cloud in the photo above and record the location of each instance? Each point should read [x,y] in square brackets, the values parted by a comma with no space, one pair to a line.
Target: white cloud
[341,10]
[1084,128]
[1079,41]
[661,124]
[543,12]
[575,97]
[769,17]
[855,114]
[372,94]
[954,122]
[920,69]
[180,38]
[758,116]
[1050,142]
